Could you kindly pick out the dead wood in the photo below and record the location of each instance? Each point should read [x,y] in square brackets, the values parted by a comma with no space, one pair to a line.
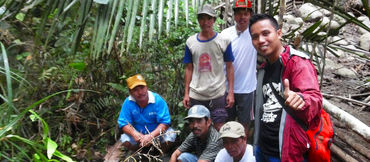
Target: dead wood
[348,99]
[355,145]
[341,154]
[353,123]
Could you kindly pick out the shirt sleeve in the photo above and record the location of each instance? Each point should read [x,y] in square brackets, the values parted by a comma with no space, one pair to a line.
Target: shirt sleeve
[124,115]
[228,55]
[163,114]
[188,58]
[187,146]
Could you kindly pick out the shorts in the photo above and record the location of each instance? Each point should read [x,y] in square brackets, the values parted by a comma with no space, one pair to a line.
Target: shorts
[243,108]
[168,137]
[215,106]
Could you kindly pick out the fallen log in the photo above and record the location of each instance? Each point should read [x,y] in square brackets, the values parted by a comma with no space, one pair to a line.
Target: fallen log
[341,154]
[348,99]
[355,145]
[352,122]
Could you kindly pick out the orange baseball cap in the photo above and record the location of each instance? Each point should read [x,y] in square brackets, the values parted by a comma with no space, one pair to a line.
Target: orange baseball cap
[134,81]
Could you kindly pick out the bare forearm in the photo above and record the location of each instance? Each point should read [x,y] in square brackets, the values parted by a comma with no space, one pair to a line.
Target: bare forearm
[188,77]
[175,155]
[230,76]
[161,128]
[128,129]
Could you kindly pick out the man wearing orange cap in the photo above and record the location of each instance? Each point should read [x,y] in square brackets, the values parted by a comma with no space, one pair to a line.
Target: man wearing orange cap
[245,54]
[144,115]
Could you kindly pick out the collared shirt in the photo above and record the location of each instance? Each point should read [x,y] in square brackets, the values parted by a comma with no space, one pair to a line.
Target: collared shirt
[147,118]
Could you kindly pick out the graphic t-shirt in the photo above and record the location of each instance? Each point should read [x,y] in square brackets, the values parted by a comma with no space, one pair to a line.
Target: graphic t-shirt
[208,58]
[270,120]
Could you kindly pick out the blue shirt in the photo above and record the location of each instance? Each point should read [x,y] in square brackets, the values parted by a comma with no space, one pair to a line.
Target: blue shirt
[155,113]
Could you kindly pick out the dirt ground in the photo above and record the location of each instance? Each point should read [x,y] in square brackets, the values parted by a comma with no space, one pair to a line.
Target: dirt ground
[346,87]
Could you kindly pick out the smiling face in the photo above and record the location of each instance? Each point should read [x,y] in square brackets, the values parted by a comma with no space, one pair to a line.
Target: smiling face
[140,93]
[266,39]
[200,126]
[235,147]
[241,17]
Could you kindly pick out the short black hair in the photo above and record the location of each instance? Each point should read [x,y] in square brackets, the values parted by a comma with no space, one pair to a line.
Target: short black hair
[239,9]
[259,17]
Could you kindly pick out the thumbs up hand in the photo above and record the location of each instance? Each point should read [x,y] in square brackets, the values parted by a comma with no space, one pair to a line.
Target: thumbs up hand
[292,99]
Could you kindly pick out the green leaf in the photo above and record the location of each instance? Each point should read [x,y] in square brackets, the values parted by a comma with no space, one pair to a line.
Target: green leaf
[33,118]
[78,66]
[36,158]
[20,16]
[118,87]
[51,147]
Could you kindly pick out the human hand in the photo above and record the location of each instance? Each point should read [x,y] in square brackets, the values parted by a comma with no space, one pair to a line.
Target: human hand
[186,101]
[230,100]
[147,139]
[137,136]
[292,99]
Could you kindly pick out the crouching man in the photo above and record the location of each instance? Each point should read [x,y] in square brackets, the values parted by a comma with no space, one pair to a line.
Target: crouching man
[144,116]
[202,143]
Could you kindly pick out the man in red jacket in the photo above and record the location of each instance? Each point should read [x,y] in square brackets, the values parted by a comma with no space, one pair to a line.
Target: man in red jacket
[278,137]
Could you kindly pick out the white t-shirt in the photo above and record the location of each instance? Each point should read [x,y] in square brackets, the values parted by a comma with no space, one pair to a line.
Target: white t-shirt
[248,156]
[245,80]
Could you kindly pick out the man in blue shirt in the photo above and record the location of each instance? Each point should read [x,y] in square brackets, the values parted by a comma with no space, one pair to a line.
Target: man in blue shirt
[144,115]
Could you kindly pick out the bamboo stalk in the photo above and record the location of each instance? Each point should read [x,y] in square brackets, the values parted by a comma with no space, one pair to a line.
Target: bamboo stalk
[152,20]
[168,17]
[143,21]
[176,12]
[187,11]
[160,17]
[132,23]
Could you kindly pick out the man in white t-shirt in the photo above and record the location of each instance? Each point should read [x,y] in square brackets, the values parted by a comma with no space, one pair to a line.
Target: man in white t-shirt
[234,140]
[245,54]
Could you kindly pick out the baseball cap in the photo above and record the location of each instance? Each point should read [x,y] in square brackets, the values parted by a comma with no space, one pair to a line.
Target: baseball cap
[135,80]
[207,9]
[242,4]
[198,111]
[232,129]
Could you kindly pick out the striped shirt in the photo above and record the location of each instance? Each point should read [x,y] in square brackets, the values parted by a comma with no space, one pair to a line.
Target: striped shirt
[204,150]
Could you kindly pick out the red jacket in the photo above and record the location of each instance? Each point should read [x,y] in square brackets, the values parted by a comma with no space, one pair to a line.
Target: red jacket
[301,73]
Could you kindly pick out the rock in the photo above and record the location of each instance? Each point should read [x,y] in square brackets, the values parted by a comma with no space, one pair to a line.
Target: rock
[367,23]
[345,72]
[363,18]
[333,25]
[331,65]
[325,12]
[290,19]
[299,20]
[339,19]
[309,9]
[338,40]
[365,41]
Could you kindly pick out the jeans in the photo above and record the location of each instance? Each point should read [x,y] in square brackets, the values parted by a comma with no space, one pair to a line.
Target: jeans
[187,157]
